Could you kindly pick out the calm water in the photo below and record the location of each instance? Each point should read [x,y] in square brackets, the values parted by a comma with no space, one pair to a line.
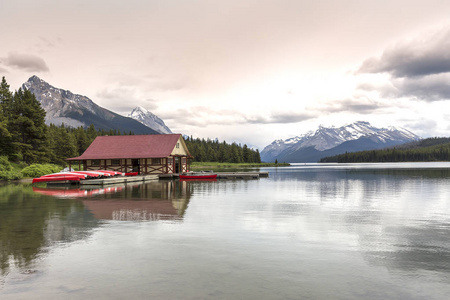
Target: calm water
[367,231]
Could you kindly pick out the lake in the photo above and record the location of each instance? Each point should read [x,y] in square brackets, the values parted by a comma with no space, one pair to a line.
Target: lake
[309,231]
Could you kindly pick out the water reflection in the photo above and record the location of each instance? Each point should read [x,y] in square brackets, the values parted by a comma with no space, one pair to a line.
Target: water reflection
[30,222]
[312,233]
[396,218]
[422,247]
[142,202]
[129,202]
[33,219]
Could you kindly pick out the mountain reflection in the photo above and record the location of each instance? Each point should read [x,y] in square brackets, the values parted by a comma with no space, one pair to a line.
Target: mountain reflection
[33,219]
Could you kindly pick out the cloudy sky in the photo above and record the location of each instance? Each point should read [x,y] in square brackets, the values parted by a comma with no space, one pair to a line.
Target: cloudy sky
[249,71]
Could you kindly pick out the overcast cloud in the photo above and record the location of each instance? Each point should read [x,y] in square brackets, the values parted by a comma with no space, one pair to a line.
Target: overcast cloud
[25,62]
[425,55]
[281,118]
[428,88]
[418,68]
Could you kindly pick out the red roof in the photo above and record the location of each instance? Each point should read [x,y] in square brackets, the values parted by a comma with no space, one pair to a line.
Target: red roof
[130,146]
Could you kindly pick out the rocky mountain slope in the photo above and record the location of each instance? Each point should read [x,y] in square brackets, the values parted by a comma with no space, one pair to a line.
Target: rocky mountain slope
[149,119]
[62,106]
[312,146]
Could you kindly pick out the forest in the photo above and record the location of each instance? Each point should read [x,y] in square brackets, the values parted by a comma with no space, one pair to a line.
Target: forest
[431,149]
[215,151]
[25,138]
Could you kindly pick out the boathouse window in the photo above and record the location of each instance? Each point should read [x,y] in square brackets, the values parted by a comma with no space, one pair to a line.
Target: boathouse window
[156,161]
[178,145]
[95,162]
[115,162]
[170,161]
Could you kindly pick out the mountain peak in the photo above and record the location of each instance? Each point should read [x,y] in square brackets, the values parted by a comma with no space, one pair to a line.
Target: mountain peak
[149,119]
[34,81]
[364,123]
[34,78]
[139,109]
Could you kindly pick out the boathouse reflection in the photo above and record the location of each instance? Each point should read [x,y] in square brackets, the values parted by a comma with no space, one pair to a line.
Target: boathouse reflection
[142,202]
[130,202]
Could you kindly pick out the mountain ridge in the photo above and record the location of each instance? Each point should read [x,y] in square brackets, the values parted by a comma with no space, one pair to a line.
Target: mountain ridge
[326,141]
[63,106]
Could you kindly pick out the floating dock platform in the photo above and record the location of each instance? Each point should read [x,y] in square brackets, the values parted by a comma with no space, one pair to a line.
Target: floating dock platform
[119,179]
[146,178]
[224,175]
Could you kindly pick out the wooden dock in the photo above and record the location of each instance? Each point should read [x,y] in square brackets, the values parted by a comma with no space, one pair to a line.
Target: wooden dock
[224,175]
[119,179]
[146,178]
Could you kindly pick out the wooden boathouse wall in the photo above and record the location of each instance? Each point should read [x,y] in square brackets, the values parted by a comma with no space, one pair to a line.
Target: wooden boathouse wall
[176,157]
[163,165]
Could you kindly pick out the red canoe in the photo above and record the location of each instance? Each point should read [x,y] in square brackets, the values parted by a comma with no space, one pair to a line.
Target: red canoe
[89,174]
[131,174]
[81,176]
[56,178]
[112,173]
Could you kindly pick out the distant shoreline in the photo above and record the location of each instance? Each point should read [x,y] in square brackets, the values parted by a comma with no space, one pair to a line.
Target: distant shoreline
[209,165]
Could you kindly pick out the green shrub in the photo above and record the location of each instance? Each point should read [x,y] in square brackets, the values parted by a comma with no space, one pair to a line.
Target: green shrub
[6,170]
[37,170]
[10,175]
[5,165]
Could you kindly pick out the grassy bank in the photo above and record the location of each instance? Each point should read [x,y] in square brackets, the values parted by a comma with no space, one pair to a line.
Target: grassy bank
[195,166]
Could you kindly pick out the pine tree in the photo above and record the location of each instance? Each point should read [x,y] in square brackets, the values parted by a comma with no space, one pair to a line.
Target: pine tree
[5,104]
[6,97]
[66,146]
[27,128]
[82,139]
[258,157]
[91,133]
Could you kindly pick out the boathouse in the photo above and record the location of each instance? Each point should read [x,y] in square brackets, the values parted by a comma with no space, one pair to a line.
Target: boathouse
[145,154]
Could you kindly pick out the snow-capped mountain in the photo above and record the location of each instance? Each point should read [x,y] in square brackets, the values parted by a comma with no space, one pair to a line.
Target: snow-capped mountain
[312,146]
[149,119]
[63,106]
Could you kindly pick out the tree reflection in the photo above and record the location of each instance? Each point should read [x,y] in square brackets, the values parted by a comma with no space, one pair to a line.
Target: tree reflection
[31,222]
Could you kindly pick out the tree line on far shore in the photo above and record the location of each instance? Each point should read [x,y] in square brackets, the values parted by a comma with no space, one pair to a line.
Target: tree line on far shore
[214,151]
[431,149]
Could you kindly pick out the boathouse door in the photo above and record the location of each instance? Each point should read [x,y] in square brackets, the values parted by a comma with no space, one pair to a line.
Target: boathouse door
[177,164]
[135,165]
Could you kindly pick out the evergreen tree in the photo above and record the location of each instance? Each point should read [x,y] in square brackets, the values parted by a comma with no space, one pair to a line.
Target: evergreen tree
[5,105]
[246,154]
[257,157]
[66,146]
[82,140]
[6,97]
[27,128]
[91,133]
